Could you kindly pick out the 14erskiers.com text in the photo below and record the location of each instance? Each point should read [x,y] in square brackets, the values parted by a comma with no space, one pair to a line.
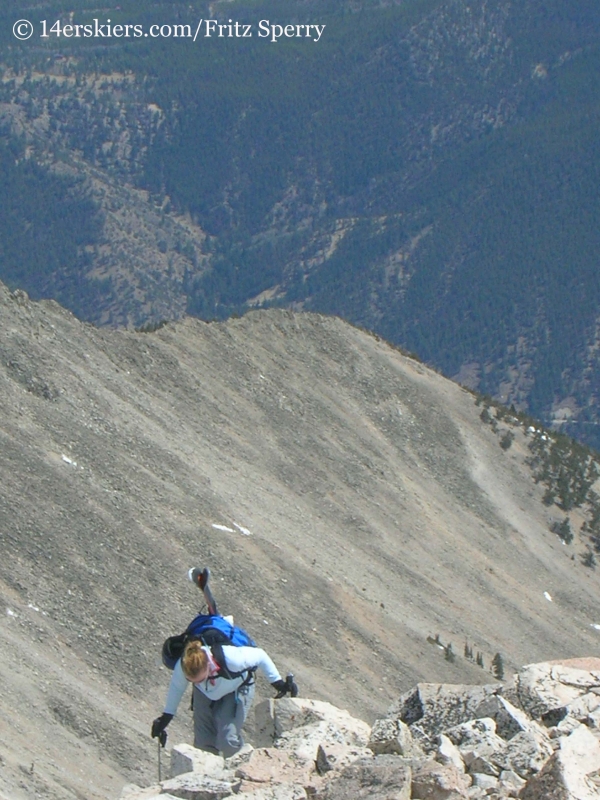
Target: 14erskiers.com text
[204,29]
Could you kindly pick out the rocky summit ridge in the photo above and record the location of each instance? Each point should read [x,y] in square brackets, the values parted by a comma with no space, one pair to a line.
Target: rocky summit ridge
[536,738]
[362,520]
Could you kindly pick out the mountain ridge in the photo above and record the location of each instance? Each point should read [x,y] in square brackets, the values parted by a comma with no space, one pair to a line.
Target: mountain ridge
[427,171]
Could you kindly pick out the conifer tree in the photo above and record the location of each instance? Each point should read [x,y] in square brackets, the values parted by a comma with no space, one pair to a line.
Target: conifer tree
[498,666]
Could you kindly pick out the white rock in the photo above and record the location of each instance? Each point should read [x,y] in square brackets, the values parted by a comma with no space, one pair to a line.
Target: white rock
[483,781]
[448,753]
[571,773]
[293,713]
[548,687]
[303,743]
[186,758]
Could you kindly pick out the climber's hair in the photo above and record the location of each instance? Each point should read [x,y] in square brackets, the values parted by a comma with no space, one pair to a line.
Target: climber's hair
[194,659]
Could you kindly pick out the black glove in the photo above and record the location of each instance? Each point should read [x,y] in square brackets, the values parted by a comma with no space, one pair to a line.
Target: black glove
[286,686]
[158,727]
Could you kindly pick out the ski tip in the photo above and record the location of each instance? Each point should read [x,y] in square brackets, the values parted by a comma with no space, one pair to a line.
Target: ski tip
[199,576]
[194,575]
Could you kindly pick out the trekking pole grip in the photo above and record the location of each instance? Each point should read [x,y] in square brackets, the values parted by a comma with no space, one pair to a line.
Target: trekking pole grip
[290,685]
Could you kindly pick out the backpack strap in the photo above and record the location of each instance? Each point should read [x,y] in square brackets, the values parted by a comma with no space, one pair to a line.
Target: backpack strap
[219,657]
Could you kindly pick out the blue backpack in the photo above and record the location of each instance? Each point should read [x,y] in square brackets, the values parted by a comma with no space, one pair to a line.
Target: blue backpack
[213,631]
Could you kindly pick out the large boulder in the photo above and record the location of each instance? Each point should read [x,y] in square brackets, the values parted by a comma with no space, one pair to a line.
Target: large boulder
[551,690]
[509,719]
[572,773]
[430,708]
[293,713]
[307,728]
[291,718]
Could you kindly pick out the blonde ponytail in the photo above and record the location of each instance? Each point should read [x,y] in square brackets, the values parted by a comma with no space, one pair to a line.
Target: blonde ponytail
[194,659]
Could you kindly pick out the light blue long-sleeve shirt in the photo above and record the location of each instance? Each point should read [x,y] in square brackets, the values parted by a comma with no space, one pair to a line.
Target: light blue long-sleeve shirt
[237,659]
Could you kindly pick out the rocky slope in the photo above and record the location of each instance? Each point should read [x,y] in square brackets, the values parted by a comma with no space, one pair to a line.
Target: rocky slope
[536,738]
[356,512]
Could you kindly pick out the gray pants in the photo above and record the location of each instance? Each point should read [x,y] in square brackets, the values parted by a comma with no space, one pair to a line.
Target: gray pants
[218,723]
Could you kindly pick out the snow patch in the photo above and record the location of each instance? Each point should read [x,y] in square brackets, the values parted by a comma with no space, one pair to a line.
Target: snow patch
[225,528]
[594,625]
[68,460]
[10,613]
[548,597]
[243,530]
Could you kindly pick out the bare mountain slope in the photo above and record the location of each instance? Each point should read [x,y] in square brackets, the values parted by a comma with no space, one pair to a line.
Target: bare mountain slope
[350,502]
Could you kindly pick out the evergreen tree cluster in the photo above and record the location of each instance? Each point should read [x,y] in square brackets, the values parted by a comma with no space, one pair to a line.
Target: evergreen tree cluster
[567,469]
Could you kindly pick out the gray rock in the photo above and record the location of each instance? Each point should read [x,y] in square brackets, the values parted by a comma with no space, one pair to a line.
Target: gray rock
[483,781]
[392,736]
[525,754]
[509,719]
[430,709]
[434,781]
[476,738]
[383,777]
[510,781]
[280,792]
[483,766]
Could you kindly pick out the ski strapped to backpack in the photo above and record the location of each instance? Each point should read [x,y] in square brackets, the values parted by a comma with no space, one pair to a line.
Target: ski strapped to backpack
[213,631]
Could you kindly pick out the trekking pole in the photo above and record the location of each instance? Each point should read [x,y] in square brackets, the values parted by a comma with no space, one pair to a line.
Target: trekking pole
[161,742]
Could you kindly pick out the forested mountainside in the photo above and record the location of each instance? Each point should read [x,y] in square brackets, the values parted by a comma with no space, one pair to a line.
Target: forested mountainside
[427,170]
